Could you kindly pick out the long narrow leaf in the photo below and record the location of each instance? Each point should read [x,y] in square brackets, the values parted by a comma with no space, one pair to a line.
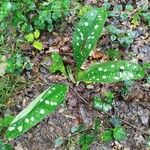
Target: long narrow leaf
[112,71]
[39,108]
[86,34]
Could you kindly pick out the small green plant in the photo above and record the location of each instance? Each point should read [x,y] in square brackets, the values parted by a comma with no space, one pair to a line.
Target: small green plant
[85,38]
[86,140]
[96,133]
[11,68]
[4,122]
[139,15]
[89,136]
[124,37]
[4,146]
[117,133]
[33,39]
[105,103]
[16,63]
[29,15]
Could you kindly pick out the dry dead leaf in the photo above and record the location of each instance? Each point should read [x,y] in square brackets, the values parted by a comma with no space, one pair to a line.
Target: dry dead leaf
[97,54]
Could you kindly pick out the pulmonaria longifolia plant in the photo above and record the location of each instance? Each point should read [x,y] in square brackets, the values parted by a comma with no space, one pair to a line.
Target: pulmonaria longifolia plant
[85,37]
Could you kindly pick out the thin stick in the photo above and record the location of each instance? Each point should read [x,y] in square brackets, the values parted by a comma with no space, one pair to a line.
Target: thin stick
[80,96]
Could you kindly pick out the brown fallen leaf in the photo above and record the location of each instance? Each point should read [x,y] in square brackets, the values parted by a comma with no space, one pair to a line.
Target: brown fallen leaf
[98,54]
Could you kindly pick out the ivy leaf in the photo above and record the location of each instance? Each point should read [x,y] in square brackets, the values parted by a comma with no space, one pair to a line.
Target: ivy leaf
[38,45]
[86,34]
[57,64]
[39,108]
[112,71]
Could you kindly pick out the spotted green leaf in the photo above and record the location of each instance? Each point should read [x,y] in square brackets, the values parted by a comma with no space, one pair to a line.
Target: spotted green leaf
[57,64]
[86,34]
[39,108]
[112,71]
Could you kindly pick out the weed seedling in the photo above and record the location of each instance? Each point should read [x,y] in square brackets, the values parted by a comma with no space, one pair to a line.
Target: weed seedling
[33,39]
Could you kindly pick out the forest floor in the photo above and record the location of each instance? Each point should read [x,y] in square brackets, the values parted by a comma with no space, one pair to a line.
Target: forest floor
[132,100]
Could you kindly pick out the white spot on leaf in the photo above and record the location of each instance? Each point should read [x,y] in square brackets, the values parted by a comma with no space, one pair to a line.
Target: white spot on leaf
[41,100]
[130,74]
[122,67]
[100,18]
[93,77]
[96,27]
[53,88]
[92,33]
[42,111]
[100,69]
[11,128]
[104,77]
[89,46]
[32,119]
[26,120]
[92,14]
[116,78]
[78,30]
[86,24]
[49,92]
[81,34]
[53,103]
[112,66]
[47,102]
[20,128]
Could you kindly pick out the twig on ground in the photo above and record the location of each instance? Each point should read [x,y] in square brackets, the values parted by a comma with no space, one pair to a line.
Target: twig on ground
[80,96]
